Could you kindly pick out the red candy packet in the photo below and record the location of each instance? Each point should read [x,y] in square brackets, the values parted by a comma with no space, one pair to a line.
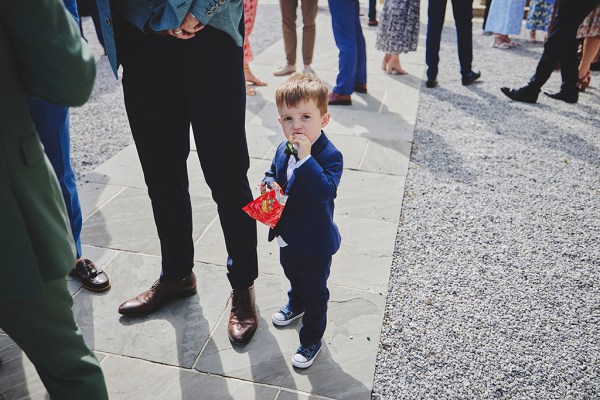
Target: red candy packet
[267,208]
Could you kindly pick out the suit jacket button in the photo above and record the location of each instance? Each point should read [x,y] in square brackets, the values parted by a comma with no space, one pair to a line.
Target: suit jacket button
[210,13]
[108,21]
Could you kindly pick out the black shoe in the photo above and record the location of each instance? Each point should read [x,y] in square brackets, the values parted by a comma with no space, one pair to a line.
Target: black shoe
[470,77]
[91,277]
[525,94]
[431,83]
[568,96]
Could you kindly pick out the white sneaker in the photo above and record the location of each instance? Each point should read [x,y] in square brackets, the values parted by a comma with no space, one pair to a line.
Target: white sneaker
[309,70]
[305,355]
[285,70]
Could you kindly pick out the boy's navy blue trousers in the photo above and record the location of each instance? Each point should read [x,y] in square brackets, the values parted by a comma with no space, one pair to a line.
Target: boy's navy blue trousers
[308,292]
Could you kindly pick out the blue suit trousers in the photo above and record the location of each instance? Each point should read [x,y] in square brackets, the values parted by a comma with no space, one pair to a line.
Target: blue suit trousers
[350,41]
[308,292]
[52,124]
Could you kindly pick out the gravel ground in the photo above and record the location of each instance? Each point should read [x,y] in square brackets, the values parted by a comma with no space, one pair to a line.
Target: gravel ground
[495,286]
[100,128]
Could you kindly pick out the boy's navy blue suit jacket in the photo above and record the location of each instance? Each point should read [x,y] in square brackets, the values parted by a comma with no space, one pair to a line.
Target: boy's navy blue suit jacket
[306,223]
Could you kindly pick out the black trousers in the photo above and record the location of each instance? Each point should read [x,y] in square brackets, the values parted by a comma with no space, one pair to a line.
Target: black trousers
[169,84]
[463,16]
[561,45]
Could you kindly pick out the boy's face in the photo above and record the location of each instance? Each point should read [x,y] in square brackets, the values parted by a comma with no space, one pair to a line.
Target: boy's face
[305,118]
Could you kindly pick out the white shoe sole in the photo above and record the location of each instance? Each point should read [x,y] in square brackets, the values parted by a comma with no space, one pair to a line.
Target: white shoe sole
[286,322]
[307,364]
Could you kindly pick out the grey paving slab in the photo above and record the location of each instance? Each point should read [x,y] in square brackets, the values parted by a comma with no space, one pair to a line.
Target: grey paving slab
[18,377]
[367,195]
[345,366]
[362,262]
[94,195]
[295,395]
[173,335]
[137,379]
[124,169]
[127,222]
[374,126]
[99,256]
[387,157]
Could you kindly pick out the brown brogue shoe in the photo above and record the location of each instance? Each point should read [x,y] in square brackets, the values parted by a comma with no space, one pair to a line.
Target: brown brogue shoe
[158,295]
[91,277]
[242,319]
[336,99]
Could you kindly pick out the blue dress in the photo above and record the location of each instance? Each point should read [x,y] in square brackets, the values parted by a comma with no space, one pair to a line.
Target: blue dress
[540,14]
[505,17]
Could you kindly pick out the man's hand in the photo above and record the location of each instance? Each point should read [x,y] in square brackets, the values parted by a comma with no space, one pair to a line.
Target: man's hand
[191,24]
[188,28]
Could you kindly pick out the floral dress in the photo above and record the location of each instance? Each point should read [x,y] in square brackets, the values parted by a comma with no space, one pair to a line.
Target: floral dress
[590,26]
[399,26]
[539,15]
[249,15]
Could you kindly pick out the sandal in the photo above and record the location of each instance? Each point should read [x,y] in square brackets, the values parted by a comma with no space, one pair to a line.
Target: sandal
[584,82]
[249,76]
[250,91]
[386,59]
[393,70]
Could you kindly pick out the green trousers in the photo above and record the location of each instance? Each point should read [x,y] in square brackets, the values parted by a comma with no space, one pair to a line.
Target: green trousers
[44,328]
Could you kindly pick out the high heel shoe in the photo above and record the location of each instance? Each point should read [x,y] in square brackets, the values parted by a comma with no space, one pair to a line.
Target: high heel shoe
[584,82]
[249,76]
[394,69]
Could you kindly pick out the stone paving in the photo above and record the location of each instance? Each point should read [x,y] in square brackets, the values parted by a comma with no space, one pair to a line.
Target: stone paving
[182,351]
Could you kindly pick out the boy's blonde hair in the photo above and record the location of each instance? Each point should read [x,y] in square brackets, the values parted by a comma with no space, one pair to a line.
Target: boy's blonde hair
[302,87]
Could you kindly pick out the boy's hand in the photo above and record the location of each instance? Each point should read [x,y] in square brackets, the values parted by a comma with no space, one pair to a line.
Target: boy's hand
[303,144]
[263,187]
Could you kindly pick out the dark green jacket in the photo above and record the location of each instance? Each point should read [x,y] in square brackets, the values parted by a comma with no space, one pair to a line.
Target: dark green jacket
[41,55]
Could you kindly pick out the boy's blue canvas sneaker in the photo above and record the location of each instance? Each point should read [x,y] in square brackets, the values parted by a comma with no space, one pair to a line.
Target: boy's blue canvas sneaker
[285,316]
[305,355]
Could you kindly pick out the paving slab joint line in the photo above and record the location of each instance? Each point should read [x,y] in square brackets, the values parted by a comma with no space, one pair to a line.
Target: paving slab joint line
[210,335]
[330,284]
[103,204]
[206,229]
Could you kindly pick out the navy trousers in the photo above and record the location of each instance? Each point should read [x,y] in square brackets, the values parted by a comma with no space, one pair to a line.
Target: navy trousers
[372,10]
[349,39]
[561,45]
[463,15]
[52,124]
[169,83]
[308,292]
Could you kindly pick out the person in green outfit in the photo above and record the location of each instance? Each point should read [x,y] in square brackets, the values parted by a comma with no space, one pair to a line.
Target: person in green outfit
[42,56]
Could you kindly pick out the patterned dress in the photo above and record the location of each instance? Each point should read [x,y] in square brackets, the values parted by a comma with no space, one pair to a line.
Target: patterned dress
[590,26]
[539,15]
[249,15]
[399,26]
[505,17]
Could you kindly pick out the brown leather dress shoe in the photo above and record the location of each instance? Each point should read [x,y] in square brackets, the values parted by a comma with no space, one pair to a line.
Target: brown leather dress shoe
[336,99]
[360,88]
[91,278]
[242,318]
[158,295]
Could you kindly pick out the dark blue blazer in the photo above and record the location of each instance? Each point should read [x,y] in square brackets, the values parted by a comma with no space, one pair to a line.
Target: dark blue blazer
[306,223]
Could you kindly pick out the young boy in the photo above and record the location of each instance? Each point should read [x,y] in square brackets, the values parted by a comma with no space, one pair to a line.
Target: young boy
[309,173]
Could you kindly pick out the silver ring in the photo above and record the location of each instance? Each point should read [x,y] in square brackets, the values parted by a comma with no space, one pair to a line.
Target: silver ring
[179,32]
